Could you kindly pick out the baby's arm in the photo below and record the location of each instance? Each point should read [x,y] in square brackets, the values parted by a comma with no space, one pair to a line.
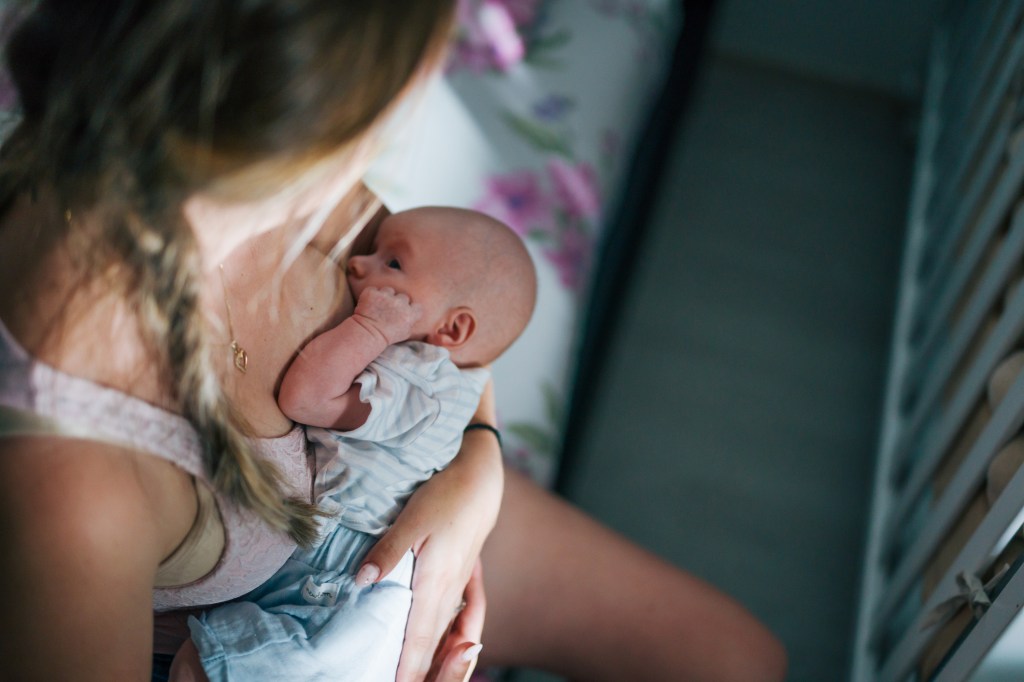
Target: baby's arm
[318,387]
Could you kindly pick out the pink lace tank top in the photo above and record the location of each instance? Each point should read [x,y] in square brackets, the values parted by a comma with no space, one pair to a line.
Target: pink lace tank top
[82,409]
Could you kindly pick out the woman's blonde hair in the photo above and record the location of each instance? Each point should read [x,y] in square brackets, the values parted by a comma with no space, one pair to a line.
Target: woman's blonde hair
[131,106]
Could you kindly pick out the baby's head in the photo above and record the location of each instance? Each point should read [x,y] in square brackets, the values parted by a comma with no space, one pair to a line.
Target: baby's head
[470,274]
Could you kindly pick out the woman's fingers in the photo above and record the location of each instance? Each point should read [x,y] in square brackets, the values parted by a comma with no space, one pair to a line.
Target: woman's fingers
[429,618]
[457,657]
[469,624]
[388,551]
[459,663]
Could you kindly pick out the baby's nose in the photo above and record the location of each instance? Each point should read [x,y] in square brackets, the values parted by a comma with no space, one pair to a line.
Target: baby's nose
[357,266]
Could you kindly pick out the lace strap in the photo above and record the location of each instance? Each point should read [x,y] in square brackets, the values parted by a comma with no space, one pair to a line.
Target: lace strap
[15,422]
[165,442]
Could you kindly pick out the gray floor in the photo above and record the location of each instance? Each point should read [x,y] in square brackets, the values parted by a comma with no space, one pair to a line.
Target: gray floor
[735,430]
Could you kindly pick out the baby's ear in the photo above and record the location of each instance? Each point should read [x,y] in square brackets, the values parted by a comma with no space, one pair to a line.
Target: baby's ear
[455,330]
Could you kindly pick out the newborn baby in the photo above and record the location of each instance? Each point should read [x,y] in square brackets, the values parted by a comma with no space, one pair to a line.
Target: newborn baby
[386,395]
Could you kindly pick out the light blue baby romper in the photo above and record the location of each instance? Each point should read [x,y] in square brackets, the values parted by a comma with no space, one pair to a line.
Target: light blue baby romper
[310,621]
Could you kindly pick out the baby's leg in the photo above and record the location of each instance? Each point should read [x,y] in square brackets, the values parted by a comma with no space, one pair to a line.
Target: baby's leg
[186,666]
[567,595]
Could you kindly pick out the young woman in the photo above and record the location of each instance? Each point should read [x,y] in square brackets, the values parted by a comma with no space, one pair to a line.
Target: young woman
[174,208]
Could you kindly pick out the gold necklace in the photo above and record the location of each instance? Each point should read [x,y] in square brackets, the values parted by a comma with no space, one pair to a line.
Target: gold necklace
[241,357]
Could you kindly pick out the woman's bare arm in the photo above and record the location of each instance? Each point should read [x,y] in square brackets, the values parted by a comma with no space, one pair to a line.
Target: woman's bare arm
[80,542]
[445,524]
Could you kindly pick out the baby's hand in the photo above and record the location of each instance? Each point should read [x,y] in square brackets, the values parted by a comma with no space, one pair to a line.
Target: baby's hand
[387,313]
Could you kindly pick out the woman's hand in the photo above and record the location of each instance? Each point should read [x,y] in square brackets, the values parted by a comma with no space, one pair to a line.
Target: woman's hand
[456,658]
[445,524]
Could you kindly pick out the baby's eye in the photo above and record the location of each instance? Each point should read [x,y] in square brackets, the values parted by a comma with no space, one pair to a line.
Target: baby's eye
[394,264]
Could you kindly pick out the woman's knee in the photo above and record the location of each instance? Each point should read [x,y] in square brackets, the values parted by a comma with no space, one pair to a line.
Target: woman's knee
[567,593]
[763,656]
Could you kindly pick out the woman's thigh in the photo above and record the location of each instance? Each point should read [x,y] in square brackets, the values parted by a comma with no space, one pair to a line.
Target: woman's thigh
[568,595]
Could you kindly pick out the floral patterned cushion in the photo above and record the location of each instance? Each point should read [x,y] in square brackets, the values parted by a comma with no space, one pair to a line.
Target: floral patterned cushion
[534,122]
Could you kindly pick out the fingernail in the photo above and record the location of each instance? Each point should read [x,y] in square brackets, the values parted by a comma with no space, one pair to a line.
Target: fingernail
[472,652]
[367,574]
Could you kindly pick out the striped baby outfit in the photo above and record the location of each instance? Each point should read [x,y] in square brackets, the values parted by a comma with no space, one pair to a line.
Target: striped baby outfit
[420,403]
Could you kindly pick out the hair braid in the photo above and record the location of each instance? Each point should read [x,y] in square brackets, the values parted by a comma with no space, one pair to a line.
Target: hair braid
[131,106]
[160,253]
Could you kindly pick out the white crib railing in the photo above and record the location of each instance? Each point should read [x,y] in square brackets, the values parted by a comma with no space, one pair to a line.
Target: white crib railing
[936,522]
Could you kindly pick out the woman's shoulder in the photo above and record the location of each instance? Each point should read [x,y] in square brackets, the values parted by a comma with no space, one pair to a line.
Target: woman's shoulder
[81,326]
[80,545]
[92,500]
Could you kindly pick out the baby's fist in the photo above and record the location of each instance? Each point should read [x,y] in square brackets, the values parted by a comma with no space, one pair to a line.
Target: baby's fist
[387,313]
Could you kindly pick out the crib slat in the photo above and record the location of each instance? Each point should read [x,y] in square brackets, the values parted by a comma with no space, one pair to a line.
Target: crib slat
[1009,187]
[966,56]
[968,216]
[948,238]
[932,316]
[1006,420]
[988,540]
[864,664]
[989,290]
[971,75]
[964,95]
[970,53]
[955,207]
[969,221]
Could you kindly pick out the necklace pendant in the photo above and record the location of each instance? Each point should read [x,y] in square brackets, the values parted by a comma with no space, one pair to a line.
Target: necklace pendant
[241,357]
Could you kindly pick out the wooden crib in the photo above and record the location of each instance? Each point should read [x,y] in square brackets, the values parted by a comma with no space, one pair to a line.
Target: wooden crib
[942,585]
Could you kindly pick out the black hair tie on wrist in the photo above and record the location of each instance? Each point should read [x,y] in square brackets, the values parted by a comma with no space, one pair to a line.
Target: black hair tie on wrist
[485,427]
